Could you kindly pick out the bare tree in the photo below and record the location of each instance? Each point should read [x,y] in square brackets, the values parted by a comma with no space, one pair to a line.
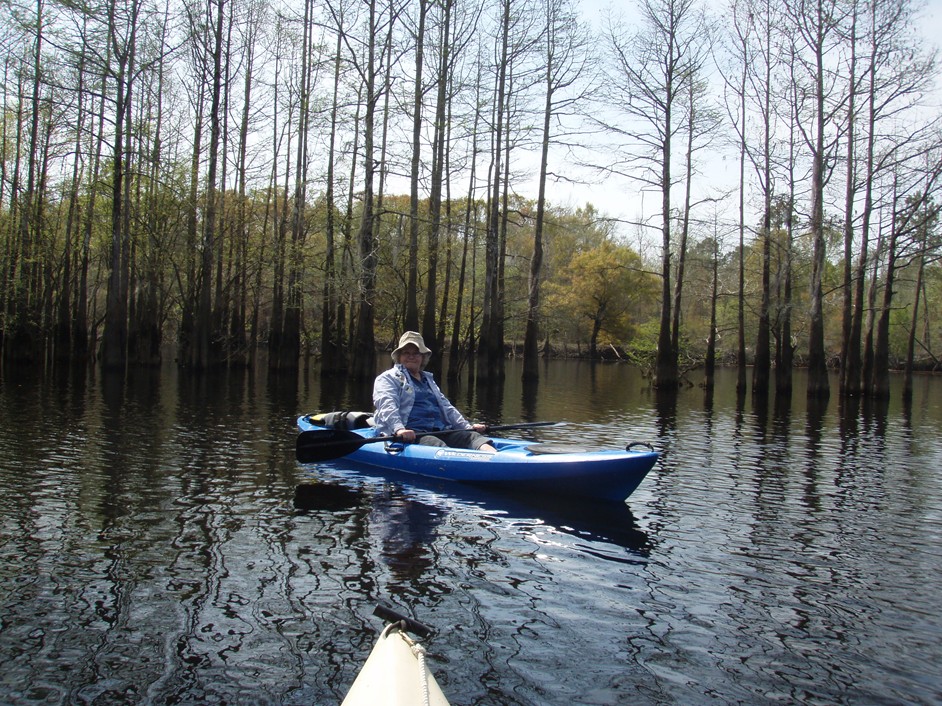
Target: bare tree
[849,198]
[289,352]
[895,79]
[456,34]
[364,356]
[566,56]
[439,137]
[333,352]
[754,26]
[816,24]
[456,349]
[914,209]
[202,354]
[412,289]
[924,228]
[741,31]
[145,335]
[653,70]
[237,326]
[491,348]
[784,217]
[123,25]
[701,123]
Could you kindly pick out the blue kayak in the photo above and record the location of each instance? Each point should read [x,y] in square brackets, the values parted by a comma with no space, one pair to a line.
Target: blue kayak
[518,464]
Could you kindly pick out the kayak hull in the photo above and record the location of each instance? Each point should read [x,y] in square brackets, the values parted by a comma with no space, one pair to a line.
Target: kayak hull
[395,674]
[518,465]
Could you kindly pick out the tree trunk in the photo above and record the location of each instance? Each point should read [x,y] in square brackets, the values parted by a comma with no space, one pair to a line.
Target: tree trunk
[710,361]
[289,353]
[114,348]
[333,361]
[490,348]
[849,373]
[429,329]
[456,349]
[914,320]
[741,260]
[666,373]
[364,343]
[818,384]
[202,354]
[762,363]
[880,371]
[412,288]
[81,334]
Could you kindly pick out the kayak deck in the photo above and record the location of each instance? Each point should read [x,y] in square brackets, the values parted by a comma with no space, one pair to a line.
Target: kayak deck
[518,464]
[395,672]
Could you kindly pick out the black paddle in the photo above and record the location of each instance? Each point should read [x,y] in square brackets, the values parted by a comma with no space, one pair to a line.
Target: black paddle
[326,444]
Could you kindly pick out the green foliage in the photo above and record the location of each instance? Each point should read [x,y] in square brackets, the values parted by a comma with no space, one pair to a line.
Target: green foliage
[641,350]
[600,292]
[56,233]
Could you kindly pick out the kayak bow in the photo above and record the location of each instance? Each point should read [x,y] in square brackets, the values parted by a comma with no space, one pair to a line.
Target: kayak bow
[395,673]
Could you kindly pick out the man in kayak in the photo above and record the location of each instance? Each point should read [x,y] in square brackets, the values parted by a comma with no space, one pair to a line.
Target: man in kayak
[408,402]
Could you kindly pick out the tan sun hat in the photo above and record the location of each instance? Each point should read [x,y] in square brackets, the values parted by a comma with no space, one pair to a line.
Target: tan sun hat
[416,340]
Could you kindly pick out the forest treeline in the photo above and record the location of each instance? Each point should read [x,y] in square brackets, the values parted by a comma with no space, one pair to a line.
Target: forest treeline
[313,177]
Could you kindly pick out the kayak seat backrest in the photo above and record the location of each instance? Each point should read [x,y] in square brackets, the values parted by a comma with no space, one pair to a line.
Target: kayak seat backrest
[342,420]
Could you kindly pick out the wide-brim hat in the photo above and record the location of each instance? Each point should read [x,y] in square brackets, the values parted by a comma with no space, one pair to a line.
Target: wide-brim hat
[415,338]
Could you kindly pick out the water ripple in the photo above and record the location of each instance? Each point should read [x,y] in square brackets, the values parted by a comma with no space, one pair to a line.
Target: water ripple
[772,556]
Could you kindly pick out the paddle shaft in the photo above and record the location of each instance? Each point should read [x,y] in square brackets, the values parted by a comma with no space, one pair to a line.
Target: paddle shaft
[327,444]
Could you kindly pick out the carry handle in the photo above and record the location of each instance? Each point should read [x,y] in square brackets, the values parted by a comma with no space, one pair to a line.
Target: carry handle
[391,616]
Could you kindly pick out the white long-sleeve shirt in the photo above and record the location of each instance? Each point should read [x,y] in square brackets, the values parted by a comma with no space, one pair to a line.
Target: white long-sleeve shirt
[394,395]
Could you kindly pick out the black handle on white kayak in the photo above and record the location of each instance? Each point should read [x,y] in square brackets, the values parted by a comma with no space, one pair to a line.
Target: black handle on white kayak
[391,616]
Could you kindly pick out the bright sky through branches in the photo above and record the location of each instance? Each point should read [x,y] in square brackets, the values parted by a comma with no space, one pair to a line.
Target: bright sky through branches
[626,202]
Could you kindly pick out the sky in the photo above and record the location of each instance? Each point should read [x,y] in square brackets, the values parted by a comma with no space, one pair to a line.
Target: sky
[623,200]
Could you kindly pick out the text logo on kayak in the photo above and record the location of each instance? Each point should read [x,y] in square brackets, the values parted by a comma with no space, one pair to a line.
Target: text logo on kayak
[460,453]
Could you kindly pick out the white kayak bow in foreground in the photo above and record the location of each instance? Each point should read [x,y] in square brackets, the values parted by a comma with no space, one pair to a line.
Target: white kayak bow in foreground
[396,673]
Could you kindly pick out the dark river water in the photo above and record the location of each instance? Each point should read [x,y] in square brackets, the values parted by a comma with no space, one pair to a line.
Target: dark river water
[161,545]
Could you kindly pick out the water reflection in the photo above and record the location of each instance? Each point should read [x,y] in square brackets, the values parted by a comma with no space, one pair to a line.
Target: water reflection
[392,498]
[404,526]
[330,497]
[528,400]
[162,545]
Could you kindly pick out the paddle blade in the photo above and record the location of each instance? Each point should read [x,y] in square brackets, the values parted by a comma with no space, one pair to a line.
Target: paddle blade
[326,444]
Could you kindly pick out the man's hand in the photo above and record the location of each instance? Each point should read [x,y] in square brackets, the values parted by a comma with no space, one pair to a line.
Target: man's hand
[407,435]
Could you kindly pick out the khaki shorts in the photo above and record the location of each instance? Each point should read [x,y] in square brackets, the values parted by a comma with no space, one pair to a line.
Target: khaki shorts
[459,439]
